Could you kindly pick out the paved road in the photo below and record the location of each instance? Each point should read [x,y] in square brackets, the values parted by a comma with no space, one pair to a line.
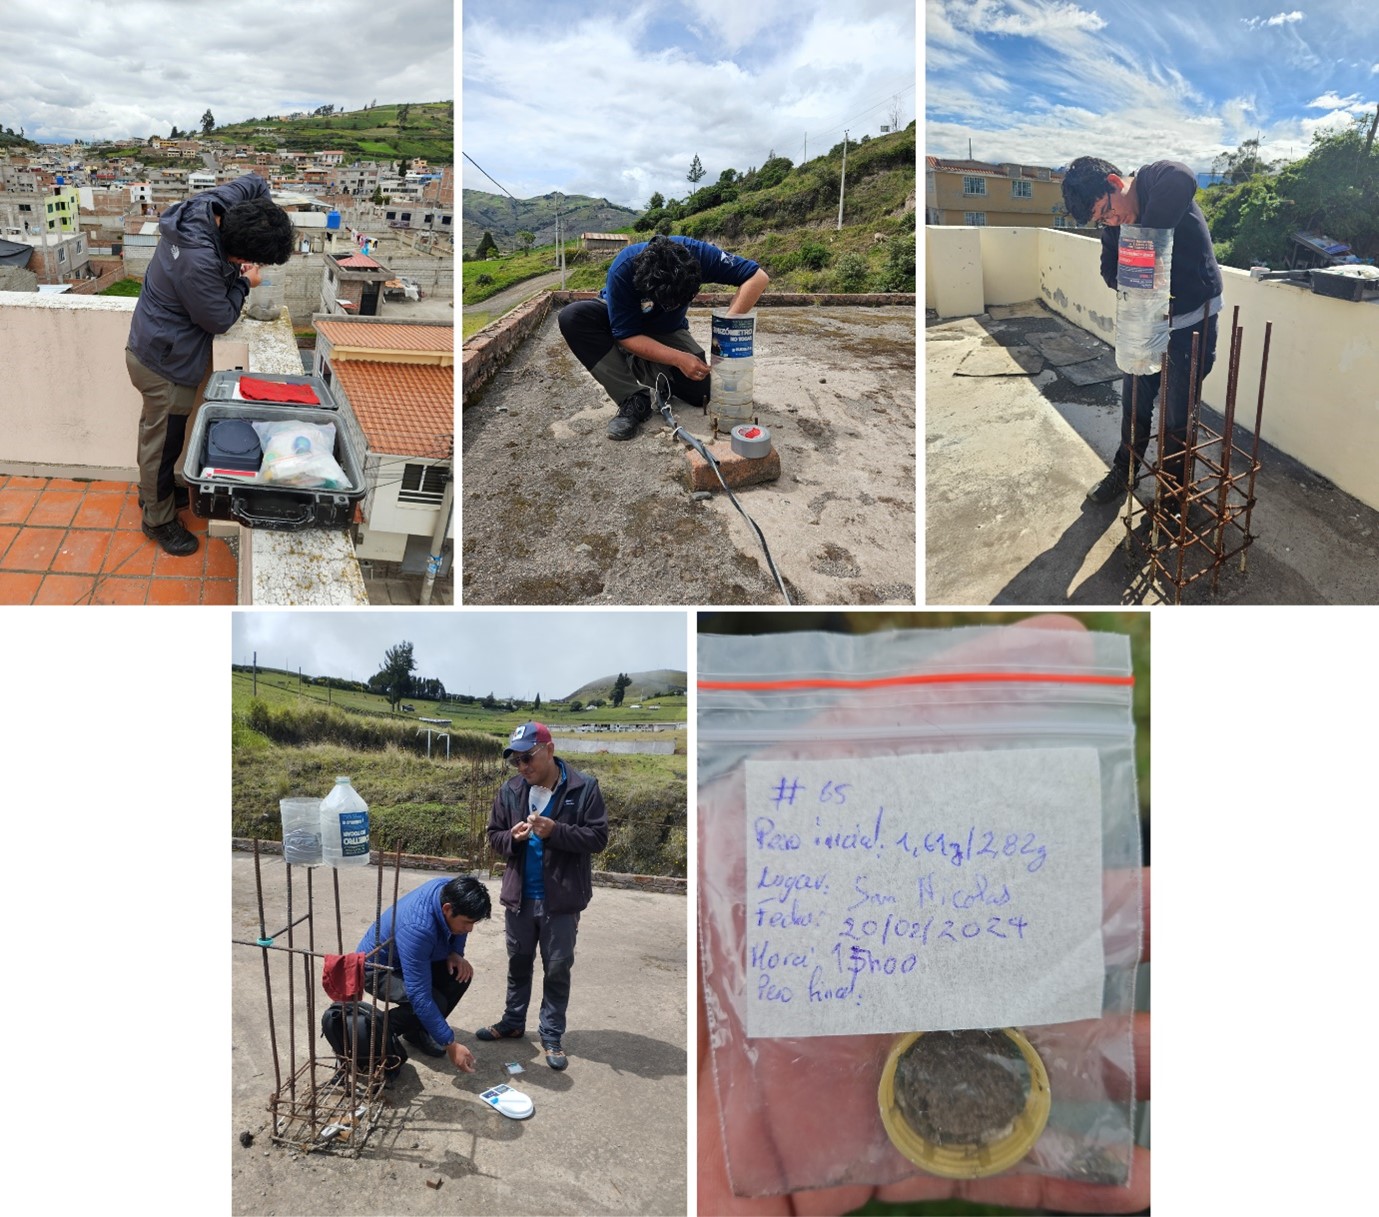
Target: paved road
[510,297]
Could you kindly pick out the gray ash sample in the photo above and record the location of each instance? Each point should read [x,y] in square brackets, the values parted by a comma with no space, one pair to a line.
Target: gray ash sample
[962,1087]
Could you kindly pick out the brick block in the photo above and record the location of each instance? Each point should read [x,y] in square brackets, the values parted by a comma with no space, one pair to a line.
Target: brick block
[738,471]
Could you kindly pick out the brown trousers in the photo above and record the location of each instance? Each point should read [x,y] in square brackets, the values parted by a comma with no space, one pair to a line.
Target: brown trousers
[168,413]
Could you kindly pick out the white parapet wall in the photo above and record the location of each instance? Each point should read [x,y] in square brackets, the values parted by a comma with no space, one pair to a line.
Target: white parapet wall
[1321,403]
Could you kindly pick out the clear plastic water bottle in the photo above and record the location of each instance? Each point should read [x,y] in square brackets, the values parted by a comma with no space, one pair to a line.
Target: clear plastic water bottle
[344,826]
[301,831]
[1144,264]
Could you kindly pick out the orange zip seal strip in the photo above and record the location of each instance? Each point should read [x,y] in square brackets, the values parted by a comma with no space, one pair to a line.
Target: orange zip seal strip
[935,678]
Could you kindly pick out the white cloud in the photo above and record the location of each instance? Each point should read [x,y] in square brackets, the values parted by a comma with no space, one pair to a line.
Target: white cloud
[1022,18]
[1277,19]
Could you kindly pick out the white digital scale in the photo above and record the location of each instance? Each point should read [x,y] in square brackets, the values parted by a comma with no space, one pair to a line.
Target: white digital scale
[509,1102]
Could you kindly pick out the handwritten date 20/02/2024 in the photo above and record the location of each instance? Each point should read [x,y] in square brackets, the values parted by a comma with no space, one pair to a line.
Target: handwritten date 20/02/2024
[860,948]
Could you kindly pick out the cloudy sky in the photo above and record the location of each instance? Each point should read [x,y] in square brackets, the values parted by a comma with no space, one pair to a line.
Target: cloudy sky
[615,99]
[112,69]
[509,654]
[1044,81]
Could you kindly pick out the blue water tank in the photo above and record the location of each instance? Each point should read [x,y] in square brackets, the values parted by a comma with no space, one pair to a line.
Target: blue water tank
[58,179]
[332,219]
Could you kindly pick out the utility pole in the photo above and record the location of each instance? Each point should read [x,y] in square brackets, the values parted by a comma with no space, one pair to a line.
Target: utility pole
[433,561]
[843,182]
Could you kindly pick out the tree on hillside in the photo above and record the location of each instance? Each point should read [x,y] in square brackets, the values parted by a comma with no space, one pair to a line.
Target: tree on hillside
[487,247]
[398,666]
[620,687]
[207,122]
[1242,164]
[537,704]
[657,202]
[525,239]
[696,170]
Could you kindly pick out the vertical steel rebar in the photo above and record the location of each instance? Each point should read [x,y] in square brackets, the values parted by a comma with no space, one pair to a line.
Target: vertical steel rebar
[291,993]
[1254,448]
[267,986]
[1227,430]
[309,968]
[1185,474]
[1130,469]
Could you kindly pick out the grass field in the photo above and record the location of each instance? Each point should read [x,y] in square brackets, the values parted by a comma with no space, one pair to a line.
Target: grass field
[435,804]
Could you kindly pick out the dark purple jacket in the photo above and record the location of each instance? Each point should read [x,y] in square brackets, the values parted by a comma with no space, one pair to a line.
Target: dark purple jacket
[190,293]
[581,830]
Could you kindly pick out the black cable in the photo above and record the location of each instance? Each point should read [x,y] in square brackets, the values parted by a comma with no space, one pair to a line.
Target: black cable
[663,404]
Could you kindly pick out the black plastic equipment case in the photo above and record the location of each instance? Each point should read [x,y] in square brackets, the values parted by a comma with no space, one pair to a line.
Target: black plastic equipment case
[256,505]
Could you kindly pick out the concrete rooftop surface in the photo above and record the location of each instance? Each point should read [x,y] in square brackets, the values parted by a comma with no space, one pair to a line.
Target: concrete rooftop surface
[1023,417]
[556,513]
[608,1134]
[78,541]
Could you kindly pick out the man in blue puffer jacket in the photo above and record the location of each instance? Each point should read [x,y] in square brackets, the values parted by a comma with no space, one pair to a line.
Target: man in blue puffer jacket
[429,927]
[208,257]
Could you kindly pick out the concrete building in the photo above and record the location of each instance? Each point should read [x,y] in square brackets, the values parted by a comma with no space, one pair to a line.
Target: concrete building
[61,210]
[605,244]
[978,194]
[396,386]
[353,285]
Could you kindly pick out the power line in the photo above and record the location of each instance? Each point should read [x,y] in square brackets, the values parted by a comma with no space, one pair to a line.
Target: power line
[490,177]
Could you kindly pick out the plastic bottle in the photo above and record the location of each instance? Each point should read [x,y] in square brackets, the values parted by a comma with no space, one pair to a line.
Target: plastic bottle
[730,359]
[1144,264]
[344,826]
[301,831]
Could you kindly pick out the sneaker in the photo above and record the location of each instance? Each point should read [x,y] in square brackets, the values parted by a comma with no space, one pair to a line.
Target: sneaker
[500,1031]
[1112,487]
[424,1043]
[555,1055]
[173,538]
[633,412]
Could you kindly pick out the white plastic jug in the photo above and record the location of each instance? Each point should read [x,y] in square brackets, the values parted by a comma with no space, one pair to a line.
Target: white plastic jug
[730,359]
[344,826]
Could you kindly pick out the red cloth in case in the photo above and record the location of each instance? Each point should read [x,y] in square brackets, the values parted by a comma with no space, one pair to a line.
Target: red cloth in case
[274,390]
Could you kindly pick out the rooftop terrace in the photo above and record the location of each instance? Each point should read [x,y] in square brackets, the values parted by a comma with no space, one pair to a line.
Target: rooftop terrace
[1023,415]
[556,513]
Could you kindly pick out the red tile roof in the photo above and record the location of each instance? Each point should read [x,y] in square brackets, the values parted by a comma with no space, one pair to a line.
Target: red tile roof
[358,262]
[380,336]
[404,409]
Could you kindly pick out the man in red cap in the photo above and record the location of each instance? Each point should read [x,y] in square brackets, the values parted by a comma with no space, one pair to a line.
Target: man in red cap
[548,820]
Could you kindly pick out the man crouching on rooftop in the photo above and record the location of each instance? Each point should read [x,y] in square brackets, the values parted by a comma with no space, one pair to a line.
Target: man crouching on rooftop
[209,252]
[639,326]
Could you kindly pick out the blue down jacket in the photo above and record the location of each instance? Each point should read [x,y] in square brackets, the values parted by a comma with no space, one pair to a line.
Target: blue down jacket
[190,293]
[422,939]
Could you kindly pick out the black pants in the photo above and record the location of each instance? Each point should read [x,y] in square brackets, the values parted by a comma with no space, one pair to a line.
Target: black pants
[1142,390]
[587,331]
[553,934]
[446,992]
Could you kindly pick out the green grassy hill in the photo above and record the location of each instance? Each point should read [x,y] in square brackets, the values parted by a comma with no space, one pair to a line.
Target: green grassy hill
[783,217]
[385,132]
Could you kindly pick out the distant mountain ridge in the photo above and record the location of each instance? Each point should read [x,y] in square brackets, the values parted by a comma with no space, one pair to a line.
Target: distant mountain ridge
[504,217]
[644,684]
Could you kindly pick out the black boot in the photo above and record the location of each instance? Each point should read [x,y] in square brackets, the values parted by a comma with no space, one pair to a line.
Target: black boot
[633,412]
[1112,487]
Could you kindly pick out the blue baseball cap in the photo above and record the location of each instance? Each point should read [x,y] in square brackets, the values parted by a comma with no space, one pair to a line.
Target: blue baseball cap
[527,737]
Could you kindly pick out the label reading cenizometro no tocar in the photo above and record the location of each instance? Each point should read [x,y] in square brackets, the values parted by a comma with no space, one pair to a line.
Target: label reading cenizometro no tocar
[913,893]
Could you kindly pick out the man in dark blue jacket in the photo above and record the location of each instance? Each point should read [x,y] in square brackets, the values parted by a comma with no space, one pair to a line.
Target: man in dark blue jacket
[548,820]
[640,325]
[429,927]
[209,252]
[1160,195]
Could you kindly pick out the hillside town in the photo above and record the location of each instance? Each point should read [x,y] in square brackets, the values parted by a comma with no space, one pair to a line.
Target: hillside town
[79,217]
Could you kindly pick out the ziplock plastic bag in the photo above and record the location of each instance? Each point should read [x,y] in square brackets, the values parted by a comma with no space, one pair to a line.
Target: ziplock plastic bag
[300,454]
[994,881]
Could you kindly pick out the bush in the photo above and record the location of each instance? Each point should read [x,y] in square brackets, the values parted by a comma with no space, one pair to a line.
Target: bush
[814,256]
[482,280]
[850,274]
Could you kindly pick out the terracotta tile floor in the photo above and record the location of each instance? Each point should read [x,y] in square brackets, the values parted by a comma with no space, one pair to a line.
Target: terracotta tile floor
[75,542]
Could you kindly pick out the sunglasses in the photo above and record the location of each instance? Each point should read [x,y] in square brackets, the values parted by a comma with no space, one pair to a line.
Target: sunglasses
[518,759]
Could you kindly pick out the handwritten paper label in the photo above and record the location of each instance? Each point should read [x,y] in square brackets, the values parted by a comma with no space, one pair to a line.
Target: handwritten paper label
[919,893]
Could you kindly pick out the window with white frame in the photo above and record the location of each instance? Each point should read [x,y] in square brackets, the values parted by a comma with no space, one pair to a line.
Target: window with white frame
[1022,190]
[974,185]
[423,484]
[974,217]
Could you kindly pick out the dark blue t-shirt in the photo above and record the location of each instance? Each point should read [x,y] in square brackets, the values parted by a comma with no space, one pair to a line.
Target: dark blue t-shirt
[630,314]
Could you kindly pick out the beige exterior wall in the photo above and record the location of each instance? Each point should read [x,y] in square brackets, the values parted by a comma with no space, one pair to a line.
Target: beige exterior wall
[1010,264]
[1321,402]
[999,204]
[65,398]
